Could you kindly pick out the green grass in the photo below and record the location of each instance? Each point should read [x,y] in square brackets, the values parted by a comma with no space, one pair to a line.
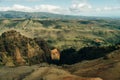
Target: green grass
[77,33]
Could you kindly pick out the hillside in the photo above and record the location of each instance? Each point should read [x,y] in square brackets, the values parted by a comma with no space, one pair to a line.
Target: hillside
[67,33]
[103,67]
[98,69]
[42,15]
[16,49]
[88,47]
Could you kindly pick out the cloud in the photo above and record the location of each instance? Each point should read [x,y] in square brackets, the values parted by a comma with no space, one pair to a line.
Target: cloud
[80,6]
[77,7]
[37,8]
[107,9]
[48,8]
[16,7]
[21,8]
[20,0]
[111,8]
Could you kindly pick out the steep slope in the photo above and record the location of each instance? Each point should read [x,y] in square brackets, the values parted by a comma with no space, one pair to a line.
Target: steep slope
[20,50]
[106,67]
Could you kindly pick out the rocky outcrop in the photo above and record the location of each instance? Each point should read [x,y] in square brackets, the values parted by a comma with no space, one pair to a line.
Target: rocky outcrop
[18,57]
[55,54]
[20,50]
[44,46]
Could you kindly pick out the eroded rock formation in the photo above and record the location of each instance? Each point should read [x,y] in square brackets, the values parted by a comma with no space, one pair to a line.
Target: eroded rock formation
[55,54]
[20,50]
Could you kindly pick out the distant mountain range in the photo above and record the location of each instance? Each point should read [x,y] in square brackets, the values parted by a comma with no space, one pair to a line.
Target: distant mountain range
[43,15]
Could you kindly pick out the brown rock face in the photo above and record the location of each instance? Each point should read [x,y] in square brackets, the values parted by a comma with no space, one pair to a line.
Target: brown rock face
[43,44]
[18,57]
[55,54]
[20,49]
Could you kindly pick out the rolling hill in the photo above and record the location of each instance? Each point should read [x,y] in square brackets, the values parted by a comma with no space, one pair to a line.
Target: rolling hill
[90,47]
[67,33]
[43,15]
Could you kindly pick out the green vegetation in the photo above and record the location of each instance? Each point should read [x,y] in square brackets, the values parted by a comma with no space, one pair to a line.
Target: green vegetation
[67,33]
[90,45]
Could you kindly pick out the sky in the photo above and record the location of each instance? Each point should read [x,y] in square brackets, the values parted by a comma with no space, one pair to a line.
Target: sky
[105,8]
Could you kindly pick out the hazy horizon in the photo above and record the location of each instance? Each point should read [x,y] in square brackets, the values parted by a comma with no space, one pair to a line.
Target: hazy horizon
[102,8]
